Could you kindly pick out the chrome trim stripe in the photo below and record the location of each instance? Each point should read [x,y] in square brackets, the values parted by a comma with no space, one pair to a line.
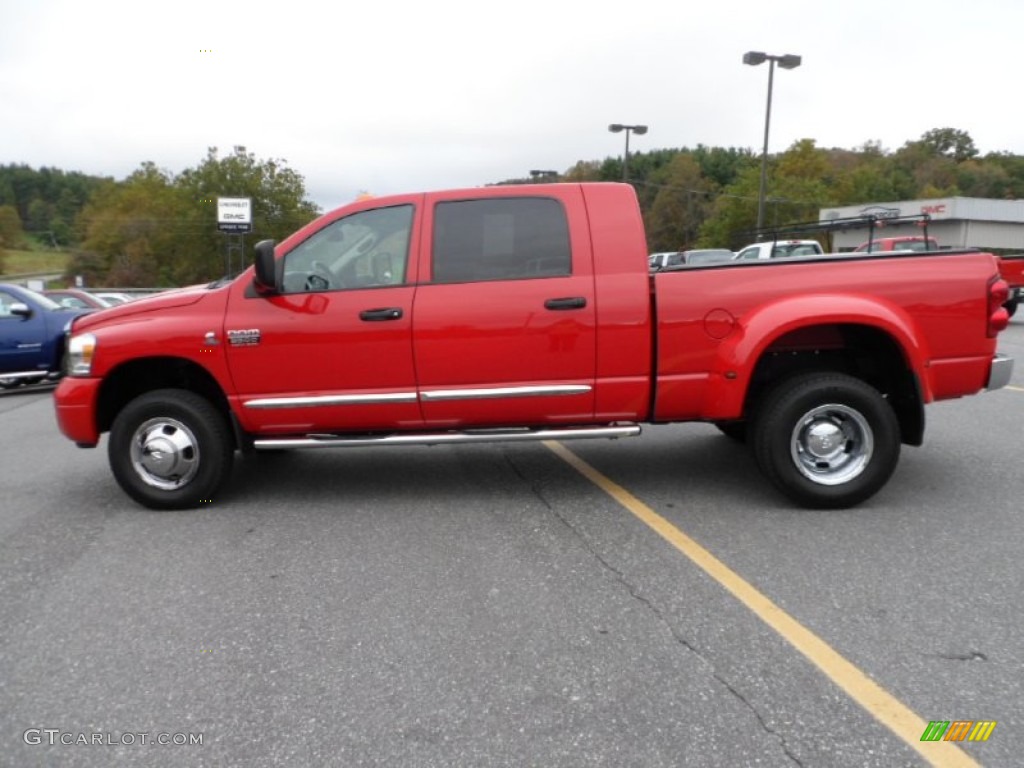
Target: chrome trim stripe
[25,375]
[478,436]
[321,400]
[483,394]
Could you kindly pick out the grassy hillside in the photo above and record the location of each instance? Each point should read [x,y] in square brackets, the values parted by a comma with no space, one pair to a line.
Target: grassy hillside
[31,262]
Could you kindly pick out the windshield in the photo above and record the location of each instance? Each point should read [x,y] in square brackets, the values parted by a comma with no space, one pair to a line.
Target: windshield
[796,249]
[710,256]
[44,301]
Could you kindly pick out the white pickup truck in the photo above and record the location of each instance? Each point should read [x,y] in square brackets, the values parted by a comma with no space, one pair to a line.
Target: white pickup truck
[774,249]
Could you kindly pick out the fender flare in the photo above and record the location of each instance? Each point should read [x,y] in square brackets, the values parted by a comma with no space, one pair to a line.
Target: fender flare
[740,353]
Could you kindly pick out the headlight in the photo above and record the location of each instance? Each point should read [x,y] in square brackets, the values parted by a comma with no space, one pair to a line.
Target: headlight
[81,349]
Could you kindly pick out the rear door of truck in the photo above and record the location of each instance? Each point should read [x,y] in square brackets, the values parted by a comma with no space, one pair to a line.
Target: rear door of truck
[504,320]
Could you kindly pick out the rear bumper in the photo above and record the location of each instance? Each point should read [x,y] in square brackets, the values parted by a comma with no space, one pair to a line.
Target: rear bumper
[1000,372]
[75,401]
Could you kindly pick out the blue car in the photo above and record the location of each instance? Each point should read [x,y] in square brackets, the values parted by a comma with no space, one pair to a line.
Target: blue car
[31,336]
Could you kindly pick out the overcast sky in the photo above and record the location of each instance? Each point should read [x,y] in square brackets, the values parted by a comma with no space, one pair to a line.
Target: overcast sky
[409,95]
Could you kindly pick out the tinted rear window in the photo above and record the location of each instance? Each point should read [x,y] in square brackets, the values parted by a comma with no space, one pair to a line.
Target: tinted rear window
[500,239]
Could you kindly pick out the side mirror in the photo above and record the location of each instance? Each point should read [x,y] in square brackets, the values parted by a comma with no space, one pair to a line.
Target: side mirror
[266,267]
[20,309]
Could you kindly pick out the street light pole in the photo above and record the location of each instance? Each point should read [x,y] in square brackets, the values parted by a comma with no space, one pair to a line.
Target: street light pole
[788,61]
[639,130]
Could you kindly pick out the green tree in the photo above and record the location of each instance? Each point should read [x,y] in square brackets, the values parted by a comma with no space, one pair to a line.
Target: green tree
[11,233]
[976,178]
[131,228]
[157,229]
[583,170]
[721,165]
[279,205]
[683,200]
[950,142]
[733,215]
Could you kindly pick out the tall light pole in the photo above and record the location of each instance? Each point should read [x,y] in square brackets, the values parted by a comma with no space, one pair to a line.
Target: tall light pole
[639,130]
[788,61]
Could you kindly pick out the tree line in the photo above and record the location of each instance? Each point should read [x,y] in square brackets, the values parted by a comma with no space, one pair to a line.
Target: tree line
[156,228]
[707,197]
[153,228]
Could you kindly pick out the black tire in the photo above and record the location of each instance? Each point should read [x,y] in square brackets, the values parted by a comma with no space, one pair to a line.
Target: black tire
[1011,306]
[170,449]
[850,456]
[734,430]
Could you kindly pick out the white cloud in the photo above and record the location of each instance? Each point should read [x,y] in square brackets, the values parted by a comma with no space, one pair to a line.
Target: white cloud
[402,96]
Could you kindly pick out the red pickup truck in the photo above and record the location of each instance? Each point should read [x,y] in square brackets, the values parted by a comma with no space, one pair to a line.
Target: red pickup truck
[1011,269]
[523,313]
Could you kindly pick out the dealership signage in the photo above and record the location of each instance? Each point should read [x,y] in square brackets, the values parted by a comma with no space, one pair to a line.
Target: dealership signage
[234,214]
[880,212]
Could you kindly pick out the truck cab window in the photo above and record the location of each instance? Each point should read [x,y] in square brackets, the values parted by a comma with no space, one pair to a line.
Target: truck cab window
[511,238]
[369,249]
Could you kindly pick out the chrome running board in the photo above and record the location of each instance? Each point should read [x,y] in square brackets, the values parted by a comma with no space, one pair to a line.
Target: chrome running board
[439,438]
[30,375]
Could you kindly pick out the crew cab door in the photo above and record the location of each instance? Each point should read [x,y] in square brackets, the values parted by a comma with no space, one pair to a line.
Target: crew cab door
[333,350]
[504,319]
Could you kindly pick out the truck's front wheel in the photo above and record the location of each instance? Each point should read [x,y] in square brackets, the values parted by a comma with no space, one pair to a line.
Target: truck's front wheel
[826,440]
[170,449]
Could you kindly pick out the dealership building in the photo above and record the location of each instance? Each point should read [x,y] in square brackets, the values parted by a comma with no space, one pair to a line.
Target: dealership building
[955,222]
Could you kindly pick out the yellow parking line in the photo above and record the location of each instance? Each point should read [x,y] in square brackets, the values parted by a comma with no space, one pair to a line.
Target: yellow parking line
[882,705]
[1015,389]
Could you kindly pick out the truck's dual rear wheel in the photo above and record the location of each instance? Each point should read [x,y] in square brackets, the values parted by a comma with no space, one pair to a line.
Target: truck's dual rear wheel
[826,440]
[170,449]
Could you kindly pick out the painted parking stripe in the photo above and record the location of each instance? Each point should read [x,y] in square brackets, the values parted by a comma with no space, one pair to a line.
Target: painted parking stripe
[1015,389]
[882,705]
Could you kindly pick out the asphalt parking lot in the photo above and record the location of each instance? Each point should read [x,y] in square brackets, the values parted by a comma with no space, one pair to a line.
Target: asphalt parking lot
[493,605]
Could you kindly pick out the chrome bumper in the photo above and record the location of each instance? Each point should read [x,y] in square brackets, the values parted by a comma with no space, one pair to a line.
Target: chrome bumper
[1000,372]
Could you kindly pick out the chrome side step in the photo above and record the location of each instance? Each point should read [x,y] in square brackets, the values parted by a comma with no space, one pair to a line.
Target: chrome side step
[439,438]
[28,375]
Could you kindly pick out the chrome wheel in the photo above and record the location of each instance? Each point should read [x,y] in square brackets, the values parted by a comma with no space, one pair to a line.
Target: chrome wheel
[164,453]
[826,439]
[832,444]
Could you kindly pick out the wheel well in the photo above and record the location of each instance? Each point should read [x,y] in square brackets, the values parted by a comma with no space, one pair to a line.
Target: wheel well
[868,353]
[128,381]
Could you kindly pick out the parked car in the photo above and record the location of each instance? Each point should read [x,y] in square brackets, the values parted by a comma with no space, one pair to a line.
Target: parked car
[658,261]
[114,298]
[76,298]
[664,259]
[32,328]
[904,243]
[708,256]
[775,249]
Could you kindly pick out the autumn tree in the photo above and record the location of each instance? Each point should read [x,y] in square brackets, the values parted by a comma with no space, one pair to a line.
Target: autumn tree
[733,215]
[683,199]
[279,204]
[11,233]
[131,230]
[949,142]
[156,229]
